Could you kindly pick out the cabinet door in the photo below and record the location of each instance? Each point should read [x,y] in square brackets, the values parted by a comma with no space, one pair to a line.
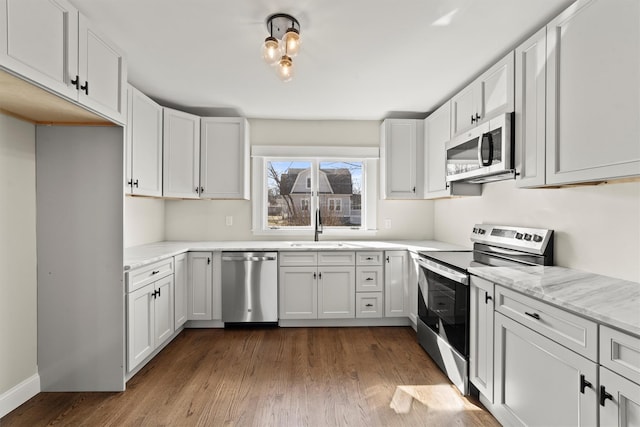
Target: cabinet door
[40,42]
[481,336]
[140,323]
[181,146]
[414,275]
[102,70]
[180,294]
[593,81]
[199,286]
[224,158]
[163,310]
[145,134]
[623,407]
[437,134]
[298,287]
[402,142]
[336,293]
[396,290]
[538,382]
[464,111]
[530,97]
[495,89]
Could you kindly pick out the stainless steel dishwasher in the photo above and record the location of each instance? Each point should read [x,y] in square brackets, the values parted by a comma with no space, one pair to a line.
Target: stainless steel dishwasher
[249,287]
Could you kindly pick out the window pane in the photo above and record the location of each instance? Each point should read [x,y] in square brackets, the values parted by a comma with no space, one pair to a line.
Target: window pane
[340,193]
[288,195]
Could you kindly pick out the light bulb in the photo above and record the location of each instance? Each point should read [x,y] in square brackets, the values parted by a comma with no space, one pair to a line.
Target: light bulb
[285,69]
[291,40]
[271,51]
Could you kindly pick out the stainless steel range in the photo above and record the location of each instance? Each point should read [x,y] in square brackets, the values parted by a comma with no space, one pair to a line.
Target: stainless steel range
[443,291]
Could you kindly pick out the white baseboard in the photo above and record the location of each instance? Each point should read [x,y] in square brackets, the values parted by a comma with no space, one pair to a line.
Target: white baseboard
[17,395]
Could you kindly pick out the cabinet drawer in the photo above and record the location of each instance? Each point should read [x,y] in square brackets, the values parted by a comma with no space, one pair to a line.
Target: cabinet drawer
[298,258]
[369,258]
[336,258]
[149,273]
[369,279]
[620,352]
[368,304]
[567,329]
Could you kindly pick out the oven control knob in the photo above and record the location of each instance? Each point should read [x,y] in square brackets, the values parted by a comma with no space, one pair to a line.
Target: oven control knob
[527,237]
[519,236]
[537,238]
[475,230]
[481,230]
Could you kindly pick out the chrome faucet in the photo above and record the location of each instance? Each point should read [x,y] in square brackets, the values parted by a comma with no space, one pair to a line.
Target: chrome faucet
[318,229]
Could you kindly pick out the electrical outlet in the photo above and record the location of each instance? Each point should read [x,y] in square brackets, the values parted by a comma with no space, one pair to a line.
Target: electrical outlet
[387,224]
[229,220]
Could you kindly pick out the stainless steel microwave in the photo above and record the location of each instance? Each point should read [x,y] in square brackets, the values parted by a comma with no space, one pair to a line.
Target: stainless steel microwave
[484,153]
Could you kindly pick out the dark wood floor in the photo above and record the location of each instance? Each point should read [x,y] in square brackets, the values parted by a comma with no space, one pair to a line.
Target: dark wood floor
[270,377]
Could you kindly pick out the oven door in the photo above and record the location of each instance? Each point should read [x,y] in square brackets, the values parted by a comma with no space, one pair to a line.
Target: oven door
[443,303]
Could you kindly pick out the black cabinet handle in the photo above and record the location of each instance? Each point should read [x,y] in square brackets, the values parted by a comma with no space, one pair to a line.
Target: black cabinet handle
[472,119]
[368,279]
[197,190]
[534,315]
[201,190]
[135,183]
[315,276]
[155,294]
[208,260]
[414,189]
[478,117]
[155,272]
[369,258]
[387,259]
[604,395]
[584,383]
[158,293]
[487,298]
[130,183]
[85,88]
[320,276]
[76,82]
[369,305]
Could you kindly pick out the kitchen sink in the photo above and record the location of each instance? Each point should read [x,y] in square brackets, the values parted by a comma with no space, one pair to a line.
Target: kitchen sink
[323,245]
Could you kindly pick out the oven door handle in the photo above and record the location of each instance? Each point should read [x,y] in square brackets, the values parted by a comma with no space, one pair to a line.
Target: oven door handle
[443,271]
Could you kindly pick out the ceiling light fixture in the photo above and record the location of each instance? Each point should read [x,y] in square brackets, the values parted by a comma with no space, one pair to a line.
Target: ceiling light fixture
[282,44]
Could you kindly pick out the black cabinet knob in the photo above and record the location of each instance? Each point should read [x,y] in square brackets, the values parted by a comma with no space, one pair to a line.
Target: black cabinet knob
[85,87]
[604,395]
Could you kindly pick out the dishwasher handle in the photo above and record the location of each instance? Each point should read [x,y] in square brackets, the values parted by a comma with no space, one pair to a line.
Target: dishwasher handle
[248,258]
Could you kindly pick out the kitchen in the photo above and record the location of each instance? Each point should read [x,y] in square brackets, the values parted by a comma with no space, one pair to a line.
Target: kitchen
[606,214]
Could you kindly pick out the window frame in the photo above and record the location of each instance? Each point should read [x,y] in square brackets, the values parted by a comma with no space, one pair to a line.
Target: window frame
[368,156]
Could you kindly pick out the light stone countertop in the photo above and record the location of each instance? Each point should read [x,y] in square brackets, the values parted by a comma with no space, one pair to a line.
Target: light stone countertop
[138,256]
[607,300]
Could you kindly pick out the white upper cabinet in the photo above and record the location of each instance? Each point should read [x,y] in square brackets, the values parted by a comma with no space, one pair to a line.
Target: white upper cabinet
[50,43]
[143,174]
[102,72]
[401,155]
[181,144]
[593,82]
[489,95]
[224,158]
[437,132]
[40,42]
[530,108]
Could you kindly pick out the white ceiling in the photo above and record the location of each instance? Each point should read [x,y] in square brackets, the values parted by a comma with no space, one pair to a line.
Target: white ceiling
[358,60]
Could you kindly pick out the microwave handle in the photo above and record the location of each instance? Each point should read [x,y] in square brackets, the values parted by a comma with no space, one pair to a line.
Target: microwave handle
[489,139]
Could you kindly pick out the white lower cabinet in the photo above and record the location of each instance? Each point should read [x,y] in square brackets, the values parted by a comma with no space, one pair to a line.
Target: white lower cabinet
[317,285]
[336,292]
[619,400]
[298,287]
[369,305]
[200,286]
[149,319]
[396,284]
[481,336]
[539,382]
[180,292]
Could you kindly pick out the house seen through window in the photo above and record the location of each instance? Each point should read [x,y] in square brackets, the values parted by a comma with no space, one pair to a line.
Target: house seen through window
[297,188]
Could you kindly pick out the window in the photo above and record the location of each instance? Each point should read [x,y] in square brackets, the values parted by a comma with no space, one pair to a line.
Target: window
[288,191]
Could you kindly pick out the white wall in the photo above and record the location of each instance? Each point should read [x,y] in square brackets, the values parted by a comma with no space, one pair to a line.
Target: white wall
[206,219]
[597,228]
[18,287]
[143,220]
